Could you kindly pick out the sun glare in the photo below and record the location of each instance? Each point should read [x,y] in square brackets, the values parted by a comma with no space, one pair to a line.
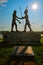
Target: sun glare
[34,6]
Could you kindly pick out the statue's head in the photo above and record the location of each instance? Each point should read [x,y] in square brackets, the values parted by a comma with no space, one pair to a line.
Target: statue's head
[15,11]
[26,11]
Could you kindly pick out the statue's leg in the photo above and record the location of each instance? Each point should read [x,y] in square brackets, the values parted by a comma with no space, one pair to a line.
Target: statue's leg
[25,28]
[16,26]
[12,26]
[29,27]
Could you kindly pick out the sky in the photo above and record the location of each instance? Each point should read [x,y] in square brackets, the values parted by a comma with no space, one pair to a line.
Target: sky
[35,16]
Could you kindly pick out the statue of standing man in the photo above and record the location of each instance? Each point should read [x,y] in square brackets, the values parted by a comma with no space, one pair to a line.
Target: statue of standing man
[14,21]
[27,20]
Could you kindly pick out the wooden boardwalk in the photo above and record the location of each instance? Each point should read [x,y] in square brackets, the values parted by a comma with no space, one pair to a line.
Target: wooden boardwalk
[22,55]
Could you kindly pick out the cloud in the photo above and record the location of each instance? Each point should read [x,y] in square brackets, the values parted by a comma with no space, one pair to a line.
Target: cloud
[3,5]
[3,1]
[37,27]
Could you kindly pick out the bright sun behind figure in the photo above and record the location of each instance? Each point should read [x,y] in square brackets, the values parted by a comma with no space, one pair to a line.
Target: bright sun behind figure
[34,6]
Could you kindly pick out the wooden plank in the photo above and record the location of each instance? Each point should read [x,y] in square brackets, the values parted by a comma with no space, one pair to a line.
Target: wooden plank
[23,51]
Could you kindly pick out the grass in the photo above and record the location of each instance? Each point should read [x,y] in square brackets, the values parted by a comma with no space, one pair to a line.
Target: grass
[41,40]
[4,54]
[1,39]
[38,54]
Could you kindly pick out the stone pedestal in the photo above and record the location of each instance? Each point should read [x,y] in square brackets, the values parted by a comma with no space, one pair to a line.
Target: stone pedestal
[21,37]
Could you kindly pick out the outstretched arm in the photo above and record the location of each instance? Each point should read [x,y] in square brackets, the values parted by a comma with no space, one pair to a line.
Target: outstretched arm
[18,21]
[21,17]
[18,17]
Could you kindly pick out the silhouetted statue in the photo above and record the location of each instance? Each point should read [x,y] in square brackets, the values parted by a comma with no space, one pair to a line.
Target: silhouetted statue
[27,20]
[14,20]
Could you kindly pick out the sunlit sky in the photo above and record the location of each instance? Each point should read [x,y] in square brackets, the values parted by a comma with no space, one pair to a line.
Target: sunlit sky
[35,16]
